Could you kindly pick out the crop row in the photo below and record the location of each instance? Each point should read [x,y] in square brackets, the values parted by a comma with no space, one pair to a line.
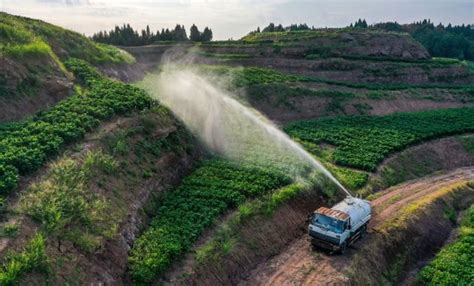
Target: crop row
[25,147]
[364,141]
[453,265]
[248,76]
[183,214]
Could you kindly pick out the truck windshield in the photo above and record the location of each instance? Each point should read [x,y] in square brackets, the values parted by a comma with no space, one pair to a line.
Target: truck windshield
[328,223]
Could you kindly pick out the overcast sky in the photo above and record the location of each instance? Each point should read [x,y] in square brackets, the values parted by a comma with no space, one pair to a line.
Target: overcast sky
[234,18]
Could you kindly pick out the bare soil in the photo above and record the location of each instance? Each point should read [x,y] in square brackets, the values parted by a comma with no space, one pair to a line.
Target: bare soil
[308,107]
[300,265]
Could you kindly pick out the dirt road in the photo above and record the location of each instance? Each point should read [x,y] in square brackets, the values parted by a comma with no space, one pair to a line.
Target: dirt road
[298,264]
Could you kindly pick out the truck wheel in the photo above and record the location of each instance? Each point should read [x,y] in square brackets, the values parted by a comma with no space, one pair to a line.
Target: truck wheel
[343,248]
[363,230]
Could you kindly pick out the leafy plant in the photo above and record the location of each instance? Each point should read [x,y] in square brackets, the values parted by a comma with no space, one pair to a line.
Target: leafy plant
[25,147]
[453,264]
[184,213]
[364,141]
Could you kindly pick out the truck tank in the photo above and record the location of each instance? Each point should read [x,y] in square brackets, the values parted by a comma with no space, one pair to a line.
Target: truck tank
[357,209]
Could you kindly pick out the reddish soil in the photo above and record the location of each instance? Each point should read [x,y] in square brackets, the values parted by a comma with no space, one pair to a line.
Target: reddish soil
[299,265]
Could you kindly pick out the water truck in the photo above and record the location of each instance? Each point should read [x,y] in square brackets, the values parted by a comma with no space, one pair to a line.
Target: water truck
[338,227]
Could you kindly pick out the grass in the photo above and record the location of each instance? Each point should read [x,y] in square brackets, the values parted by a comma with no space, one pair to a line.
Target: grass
[468,143]
[34,49]
[409,211]
[17,264]
[65,207]
[453,265]
[20,35]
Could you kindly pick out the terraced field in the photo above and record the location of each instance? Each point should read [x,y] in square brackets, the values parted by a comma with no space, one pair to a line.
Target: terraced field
[102,184]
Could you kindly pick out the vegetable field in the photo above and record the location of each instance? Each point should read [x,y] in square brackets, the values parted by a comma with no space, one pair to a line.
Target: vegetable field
[364,141]
[183,214]
[25,147]
[454,264]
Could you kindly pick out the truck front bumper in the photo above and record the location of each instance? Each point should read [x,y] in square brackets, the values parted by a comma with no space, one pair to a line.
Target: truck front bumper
[324,244]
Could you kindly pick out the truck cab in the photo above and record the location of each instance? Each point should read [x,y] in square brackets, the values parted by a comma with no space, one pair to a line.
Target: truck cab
[337,227]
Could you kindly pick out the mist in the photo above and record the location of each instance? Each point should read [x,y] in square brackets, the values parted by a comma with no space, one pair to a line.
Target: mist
[225,124]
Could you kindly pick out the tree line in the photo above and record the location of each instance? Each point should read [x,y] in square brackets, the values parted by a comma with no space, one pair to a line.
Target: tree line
[441,41]
[127,36]
[279,28]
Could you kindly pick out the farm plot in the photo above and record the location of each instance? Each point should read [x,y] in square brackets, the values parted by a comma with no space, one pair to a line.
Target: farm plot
[454,264]
[364,141]
[25,147]
[183,214]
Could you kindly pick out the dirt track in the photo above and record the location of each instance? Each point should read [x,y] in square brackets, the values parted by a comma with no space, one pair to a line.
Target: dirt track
[299,265]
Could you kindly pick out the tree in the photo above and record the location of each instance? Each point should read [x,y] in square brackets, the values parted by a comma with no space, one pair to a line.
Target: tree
[360,24]
[179,34]
[206,35]
[194,34]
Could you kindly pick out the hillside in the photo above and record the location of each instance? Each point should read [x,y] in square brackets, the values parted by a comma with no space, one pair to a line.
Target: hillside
[32,55]
[179,178]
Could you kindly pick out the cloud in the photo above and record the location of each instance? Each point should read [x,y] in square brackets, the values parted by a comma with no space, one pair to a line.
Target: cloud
[66,2]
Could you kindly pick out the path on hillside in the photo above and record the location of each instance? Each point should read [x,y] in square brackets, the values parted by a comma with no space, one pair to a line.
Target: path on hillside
[298,264]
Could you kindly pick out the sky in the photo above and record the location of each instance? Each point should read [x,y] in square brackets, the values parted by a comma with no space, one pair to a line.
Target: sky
[234,18]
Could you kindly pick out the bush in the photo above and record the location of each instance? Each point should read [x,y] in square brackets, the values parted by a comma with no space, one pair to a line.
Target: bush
[8,178]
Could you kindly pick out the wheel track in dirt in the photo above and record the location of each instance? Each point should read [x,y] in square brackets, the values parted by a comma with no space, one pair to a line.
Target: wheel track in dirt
[299,265]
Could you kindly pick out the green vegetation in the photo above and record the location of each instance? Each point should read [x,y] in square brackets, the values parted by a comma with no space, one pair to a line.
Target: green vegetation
[37,48]
[65,207]
[248,76]
[468,143]
[25,147]
[228,234]
[440,41]
[364,141]
[16,264]
[291,36]
[127,36]
[453,265]
[184,213]
[23,36]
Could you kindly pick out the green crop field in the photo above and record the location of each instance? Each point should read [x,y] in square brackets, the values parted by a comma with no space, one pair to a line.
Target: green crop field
[25,147]
[364,141]
[453,265]
[183,214]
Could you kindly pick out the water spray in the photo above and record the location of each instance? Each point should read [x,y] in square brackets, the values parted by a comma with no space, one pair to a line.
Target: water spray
[226,125]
